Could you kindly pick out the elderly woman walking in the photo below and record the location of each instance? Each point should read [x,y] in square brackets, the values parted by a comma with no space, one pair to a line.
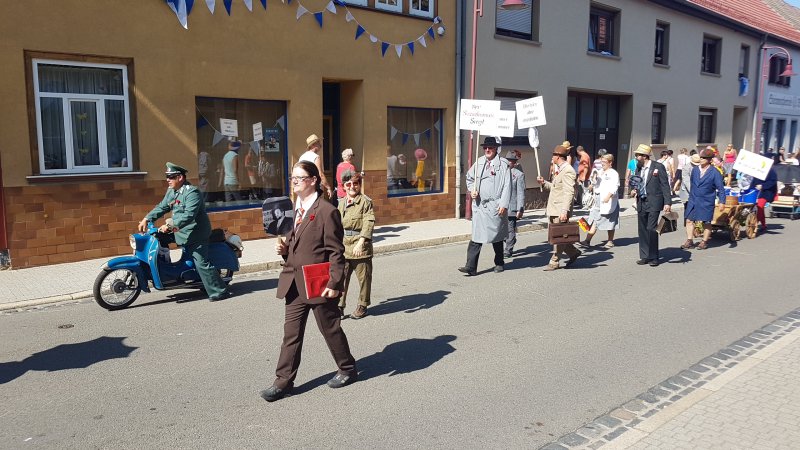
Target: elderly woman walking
[605,212]
[344,166]
[706,185]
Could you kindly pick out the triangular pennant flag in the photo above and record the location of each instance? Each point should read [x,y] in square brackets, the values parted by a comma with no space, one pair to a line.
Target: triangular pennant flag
[331,7]
[217,138]
[318,16]
[254,146]
[182,16]
[189,6]
[405,138]
[416,139]
[393,133]
[398,49]
[349,17]
[428,133]
[431,33]
[437,19]
[281,122]
[422,41]
[359,31]
[300,11]
[384,46]
[264,4]
[288,2]
[372,38]
[211,4]
[411,47]
[436,125]
[228,4]
[249,5]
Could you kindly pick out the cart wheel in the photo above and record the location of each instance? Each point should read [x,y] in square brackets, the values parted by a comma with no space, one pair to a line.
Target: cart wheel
[751,225]
[735,228]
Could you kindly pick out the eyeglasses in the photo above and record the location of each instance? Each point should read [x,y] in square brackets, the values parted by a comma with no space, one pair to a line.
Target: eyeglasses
[299,179]
[352,183]
[173,176]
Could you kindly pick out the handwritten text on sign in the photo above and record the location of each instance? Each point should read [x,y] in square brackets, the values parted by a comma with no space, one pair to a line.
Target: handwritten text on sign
[502,126]
[477,114]
[752,164]
[229,127]
[530,113]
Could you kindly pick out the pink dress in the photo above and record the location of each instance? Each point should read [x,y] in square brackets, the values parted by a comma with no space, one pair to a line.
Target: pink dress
[343,167]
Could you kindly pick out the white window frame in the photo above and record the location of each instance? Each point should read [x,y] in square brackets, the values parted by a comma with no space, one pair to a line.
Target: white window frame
[386,7]
[99,100]
[356,2]
[419,11]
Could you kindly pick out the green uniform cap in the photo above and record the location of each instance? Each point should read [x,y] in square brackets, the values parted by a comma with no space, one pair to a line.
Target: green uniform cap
[174,169]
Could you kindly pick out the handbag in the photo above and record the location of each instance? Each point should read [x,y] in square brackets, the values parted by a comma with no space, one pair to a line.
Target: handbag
[668,223]
[563,233]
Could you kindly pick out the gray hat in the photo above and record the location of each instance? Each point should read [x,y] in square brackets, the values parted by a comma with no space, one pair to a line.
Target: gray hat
[511,156]
[174,169]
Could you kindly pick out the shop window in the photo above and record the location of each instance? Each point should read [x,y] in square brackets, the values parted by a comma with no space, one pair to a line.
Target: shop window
[389,5]
[522,23]
[603,26]
[82,117]
[233,178]
[414,162]
[777,65]
[662,44]
[421,8]
[712,48]
[706,127]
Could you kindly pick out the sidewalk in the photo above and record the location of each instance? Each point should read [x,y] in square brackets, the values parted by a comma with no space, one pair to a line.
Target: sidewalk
[70,281]
[745,396]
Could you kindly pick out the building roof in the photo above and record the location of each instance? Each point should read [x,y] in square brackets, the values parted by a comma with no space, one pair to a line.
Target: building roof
[774,17]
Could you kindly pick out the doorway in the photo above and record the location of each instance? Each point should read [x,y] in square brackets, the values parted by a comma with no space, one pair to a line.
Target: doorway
[331,121]
[593,122]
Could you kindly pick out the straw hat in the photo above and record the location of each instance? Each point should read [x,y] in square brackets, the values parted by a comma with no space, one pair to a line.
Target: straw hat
[312,140]
[643,149]
[566,145]
[695,160]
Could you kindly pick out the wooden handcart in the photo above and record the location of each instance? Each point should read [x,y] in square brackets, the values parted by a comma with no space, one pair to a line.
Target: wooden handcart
[733,220]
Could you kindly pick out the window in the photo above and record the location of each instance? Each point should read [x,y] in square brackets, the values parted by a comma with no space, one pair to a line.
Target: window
[422,8]
[706,127]
[523,23]
[389,5]
[242,178]
[766,136]
[744,61]
[792,135]
[602,30]
[415,156]
[662,44]
[711,54]
[82,117]
[508,102]
[657,124]
[780,128]
[356,2]
[777,64]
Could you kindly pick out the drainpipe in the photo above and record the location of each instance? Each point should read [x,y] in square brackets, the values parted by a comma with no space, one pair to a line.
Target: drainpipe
[460,40]
[5,260]
[757,99]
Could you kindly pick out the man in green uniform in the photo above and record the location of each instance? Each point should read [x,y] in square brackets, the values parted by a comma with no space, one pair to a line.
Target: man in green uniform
[358,221]
[190,226]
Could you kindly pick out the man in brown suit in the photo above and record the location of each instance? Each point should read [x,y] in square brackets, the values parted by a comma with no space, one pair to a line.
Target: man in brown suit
[559,203]
[316,238]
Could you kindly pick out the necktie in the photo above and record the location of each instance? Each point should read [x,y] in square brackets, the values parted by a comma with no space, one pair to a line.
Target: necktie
[643,192]
[298,217]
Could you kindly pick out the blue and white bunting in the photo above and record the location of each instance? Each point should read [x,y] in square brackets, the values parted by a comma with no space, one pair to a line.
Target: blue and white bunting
[410,46]
[398,49]
[179,8]
[421,41]
[301,10]
[318,16]
[228,4]
[331,7]
[359,31]
[211,4]
[249,5]
[264,4]
[384,46]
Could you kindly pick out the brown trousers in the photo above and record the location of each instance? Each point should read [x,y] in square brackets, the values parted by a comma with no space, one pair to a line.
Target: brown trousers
[294,328]
[363,269]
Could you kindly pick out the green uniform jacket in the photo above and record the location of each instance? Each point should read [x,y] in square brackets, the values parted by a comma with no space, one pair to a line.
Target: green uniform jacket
[359,218]
[188,214]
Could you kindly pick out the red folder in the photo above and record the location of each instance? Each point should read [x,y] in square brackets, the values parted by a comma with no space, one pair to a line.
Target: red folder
[316,277]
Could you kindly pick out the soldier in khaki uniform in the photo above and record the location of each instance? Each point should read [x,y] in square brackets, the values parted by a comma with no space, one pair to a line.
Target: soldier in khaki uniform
[358,220]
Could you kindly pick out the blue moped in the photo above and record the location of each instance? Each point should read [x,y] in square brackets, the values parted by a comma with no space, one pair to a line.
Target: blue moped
[122,279]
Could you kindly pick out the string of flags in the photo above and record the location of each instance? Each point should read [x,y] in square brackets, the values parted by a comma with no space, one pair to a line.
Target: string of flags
[219,136]
[182,9]
[404,135]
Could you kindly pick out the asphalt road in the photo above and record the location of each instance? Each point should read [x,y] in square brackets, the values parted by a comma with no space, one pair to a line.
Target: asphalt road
[510,360]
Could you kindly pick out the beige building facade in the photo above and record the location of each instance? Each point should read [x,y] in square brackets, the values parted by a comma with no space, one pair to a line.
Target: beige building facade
[95,105]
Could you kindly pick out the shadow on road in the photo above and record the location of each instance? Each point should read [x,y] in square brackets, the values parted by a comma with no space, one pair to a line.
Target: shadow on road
[409,303]
[67,356]
[398,358]
[237,288]
[381,233]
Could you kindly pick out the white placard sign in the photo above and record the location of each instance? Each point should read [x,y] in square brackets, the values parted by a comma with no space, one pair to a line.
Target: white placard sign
[502,126]
[477,114]
[258,132]
[229,127]
[530,113]
[752,164]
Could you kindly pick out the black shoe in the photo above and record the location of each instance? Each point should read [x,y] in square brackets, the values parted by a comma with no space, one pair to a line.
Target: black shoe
[222,295]
[342,380]
[653,263]
[573,258]
[273,393]
[468,271]
[341,312]
[642,262]
[507,255]
[498,269]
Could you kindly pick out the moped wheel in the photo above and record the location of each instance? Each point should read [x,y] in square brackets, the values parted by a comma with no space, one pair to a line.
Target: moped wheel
[116,289]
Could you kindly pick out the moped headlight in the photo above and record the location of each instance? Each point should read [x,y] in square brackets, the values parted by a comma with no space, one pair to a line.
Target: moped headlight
[132,240]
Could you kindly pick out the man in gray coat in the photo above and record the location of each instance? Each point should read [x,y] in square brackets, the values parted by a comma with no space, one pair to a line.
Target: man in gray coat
[517,202]
[489,184]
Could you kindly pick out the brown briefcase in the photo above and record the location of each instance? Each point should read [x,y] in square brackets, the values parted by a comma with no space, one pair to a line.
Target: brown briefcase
[563,233]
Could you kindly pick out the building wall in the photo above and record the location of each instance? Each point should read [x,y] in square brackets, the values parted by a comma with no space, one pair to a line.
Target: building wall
[781,103]
[259,55]
[559,62]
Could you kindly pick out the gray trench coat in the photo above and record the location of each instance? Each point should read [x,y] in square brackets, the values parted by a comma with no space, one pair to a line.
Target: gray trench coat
[493,179]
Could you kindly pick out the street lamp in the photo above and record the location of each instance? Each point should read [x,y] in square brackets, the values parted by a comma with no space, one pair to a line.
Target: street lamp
[508,5]
[764,74]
